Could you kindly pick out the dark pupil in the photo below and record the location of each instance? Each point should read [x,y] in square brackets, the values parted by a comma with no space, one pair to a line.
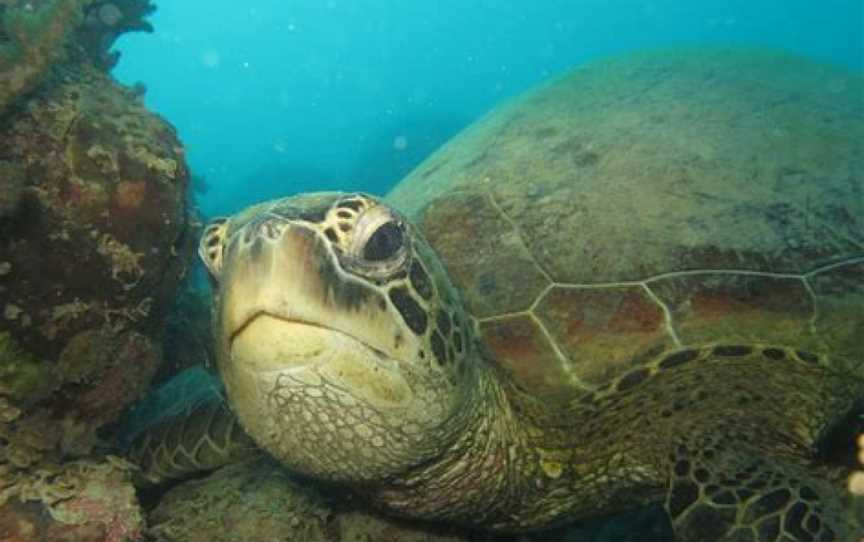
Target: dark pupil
[384,243]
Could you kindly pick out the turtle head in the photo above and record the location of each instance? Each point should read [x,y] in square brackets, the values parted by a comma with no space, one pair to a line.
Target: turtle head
[341,342]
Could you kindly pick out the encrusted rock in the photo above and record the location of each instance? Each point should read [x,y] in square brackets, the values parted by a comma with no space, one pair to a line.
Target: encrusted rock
[82,501]
[8,412]
[96,247]
[35,36]
[258,500]
[95,239]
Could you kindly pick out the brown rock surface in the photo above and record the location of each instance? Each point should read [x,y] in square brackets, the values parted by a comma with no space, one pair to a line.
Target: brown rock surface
[81,501]
[93,248]
[94,240]
[257,500]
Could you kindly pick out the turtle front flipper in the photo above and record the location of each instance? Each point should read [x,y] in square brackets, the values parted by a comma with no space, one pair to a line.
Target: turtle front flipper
[721,492]
[203,437]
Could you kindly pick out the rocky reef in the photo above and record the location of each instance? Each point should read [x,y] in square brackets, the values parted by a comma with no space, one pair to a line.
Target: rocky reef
[38,36]
[95,237]
[260,501]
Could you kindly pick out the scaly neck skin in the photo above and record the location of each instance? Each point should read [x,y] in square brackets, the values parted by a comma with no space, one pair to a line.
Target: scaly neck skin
[513,463]
[471,480]
[504,469]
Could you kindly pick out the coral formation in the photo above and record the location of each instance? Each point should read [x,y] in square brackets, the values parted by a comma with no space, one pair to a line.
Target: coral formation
[82,500]
[35,36]
[100,237]
[94,241]
[104,21]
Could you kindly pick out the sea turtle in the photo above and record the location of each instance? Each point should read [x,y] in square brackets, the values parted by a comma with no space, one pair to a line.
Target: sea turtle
[641,283]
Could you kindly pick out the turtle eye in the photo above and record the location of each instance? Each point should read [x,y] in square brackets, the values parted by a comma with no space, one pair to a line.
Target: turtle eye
[385,242]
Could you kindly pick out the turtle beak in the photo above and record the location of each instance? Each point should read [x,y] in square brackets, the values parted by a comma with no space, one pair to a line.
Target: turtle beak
[285,303]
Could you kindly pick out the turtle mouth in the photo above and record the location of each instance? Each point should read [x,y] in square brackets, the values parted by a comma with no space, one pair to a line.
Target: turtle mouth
[292,321]
[269,341]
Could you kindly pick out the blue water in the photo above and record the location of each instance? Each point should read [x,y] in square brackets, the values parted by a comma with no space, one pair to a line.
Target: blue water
[279,96]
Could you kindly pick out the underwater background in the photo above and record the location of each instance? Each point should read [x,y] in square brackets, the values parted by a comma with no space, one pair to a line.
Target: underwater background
[106,188]
[276,97]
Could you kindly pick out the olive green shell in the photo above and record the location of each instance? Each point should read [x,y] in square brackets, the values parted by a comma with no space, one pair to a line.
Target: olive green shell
[663,199]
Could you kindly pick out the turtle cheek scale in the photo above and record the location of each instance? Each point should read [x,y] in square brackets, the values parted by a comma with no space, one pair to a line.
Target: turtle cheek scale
[327,405]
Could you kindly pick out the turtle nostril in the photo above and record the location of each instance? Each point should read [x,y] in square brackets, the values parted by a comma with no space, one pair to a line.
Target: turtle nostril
[248,234]
[269,228]
[273,229]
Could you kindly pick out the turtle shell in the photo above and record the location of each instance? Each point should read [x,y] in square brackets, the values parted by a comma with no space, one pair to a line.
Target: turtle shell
[651,202]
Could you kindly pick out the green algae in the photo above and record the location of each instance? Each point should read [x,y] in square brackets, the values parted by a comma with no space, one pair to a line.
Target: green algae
[23,377]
